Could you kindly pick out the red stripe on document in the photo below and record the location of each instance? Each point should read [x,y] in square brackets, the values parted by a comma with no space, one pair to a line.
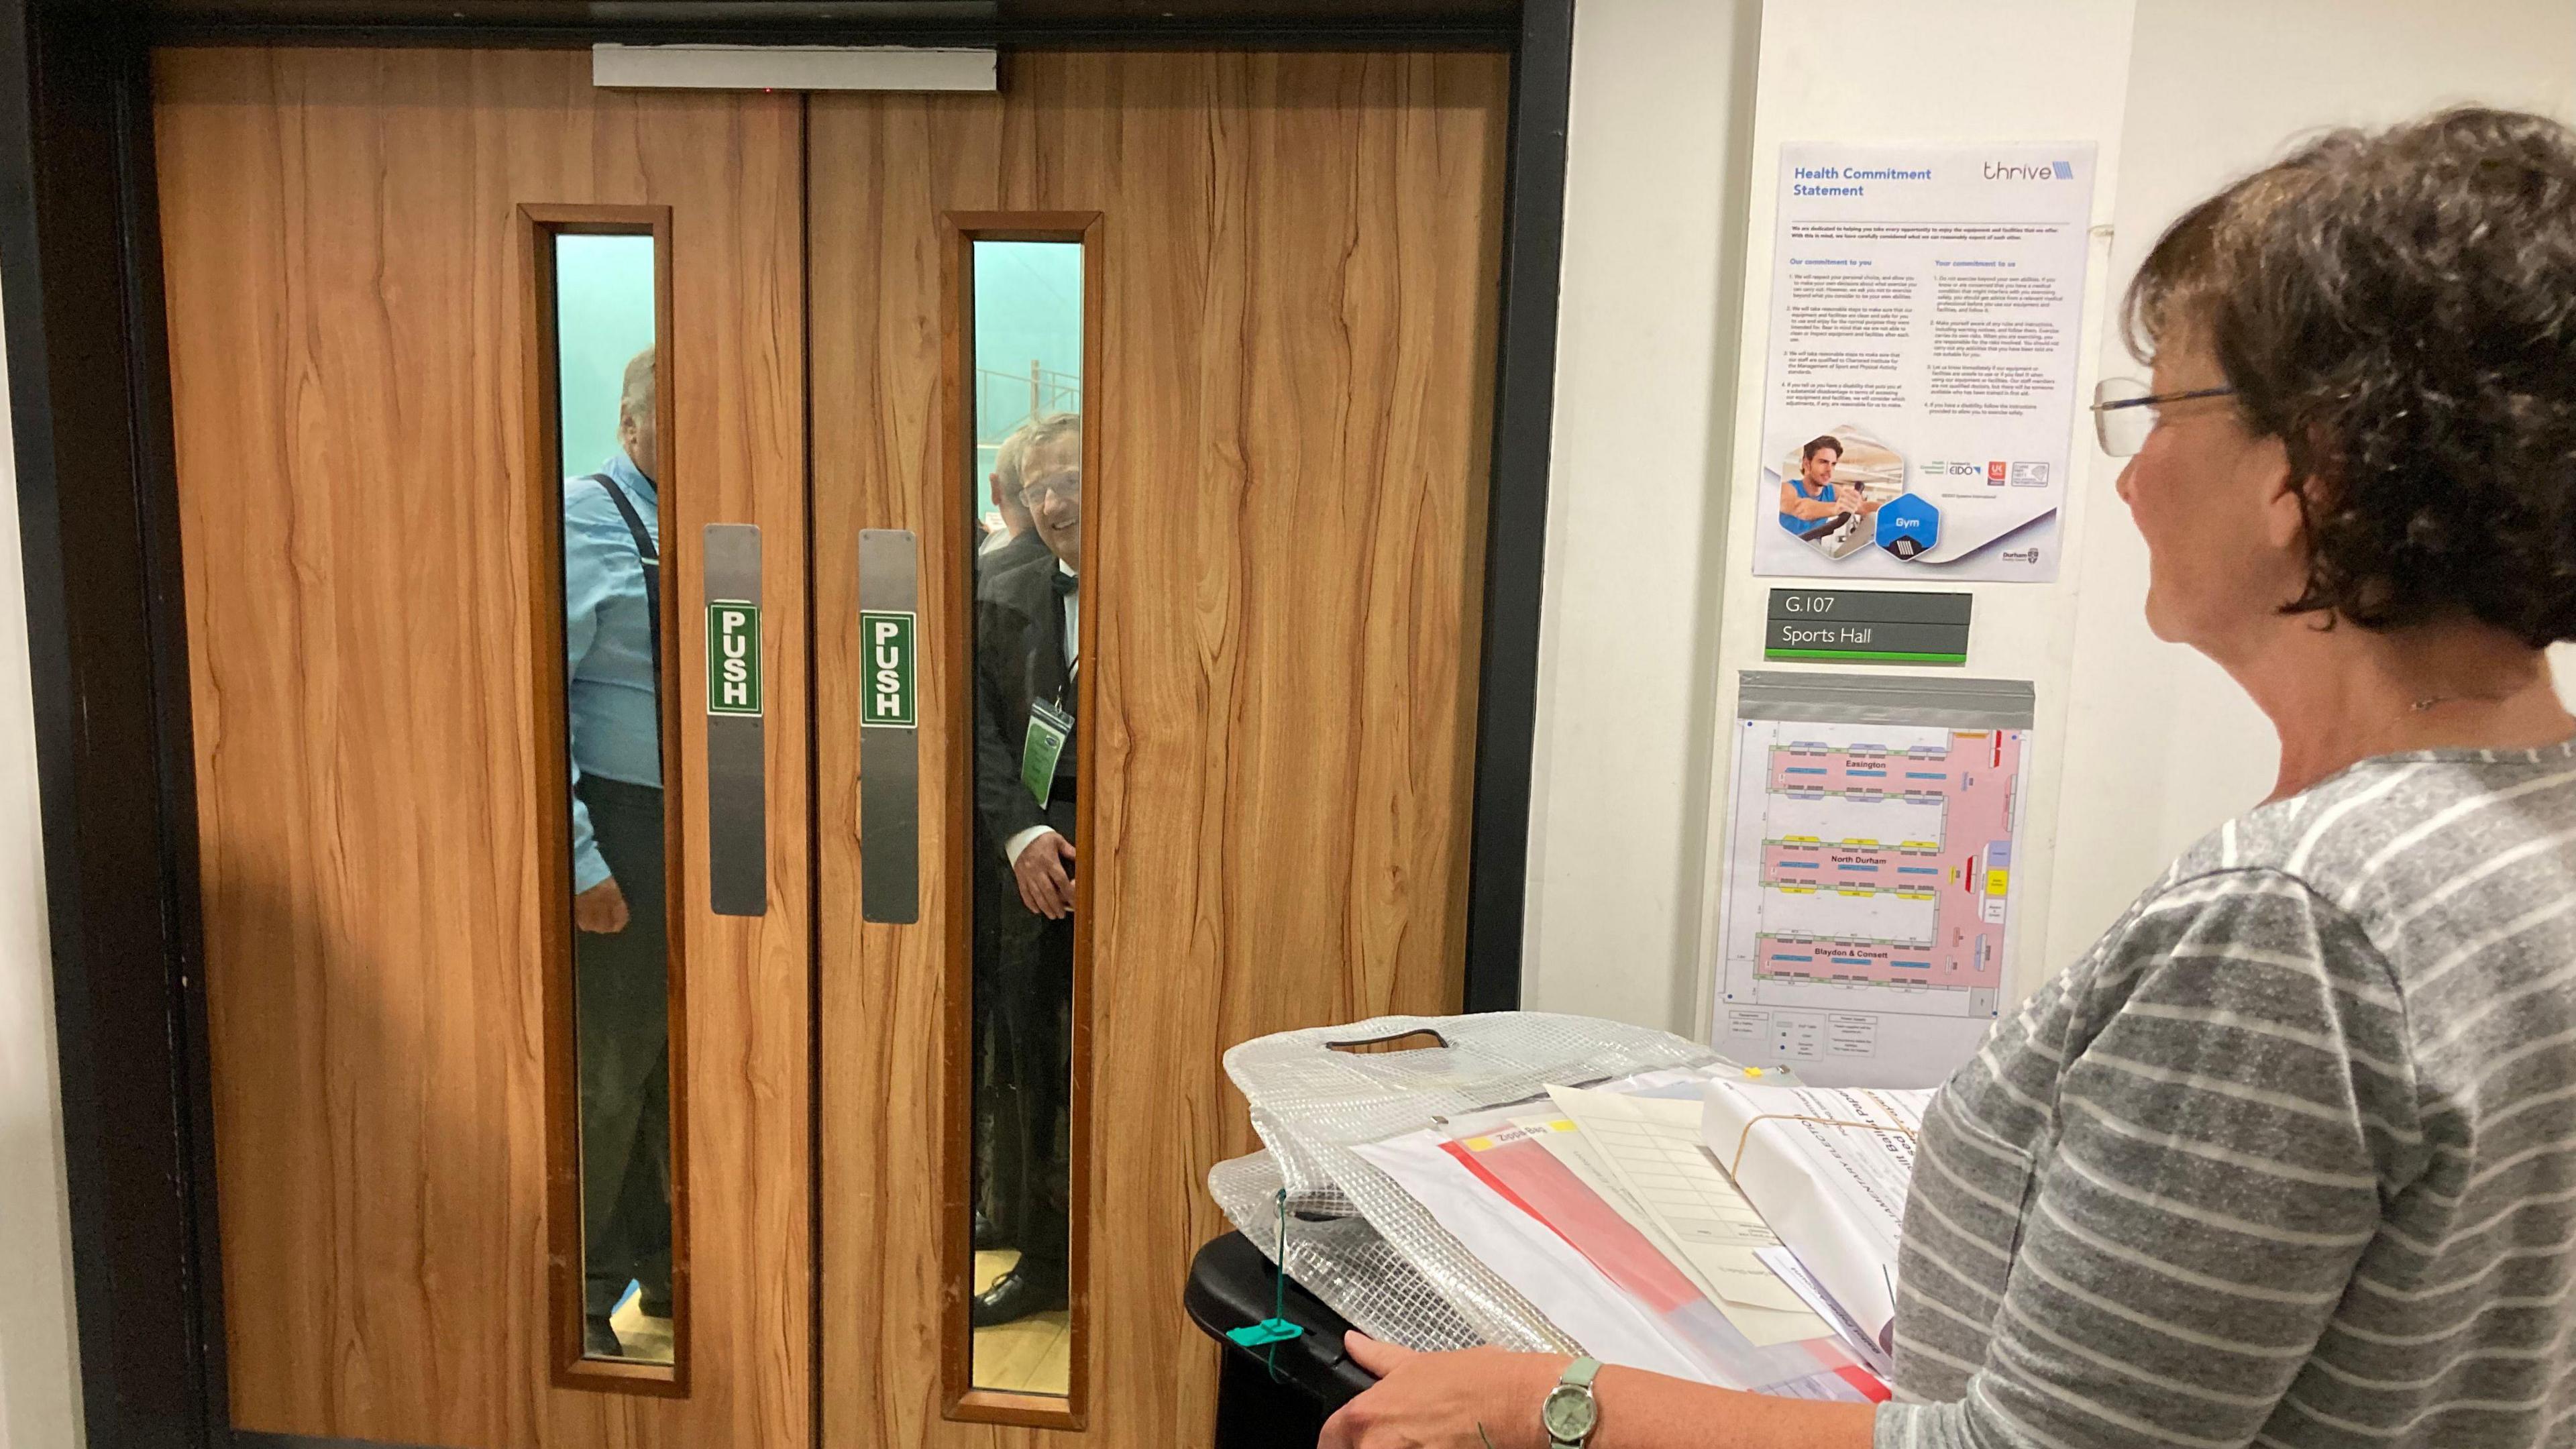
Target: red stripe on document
[1865,1381]
[1467,1160]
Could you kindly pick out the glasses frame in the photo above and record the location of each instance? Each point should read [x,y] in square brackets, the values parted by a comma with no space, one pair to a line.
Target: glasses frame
[2102,409]
[1036,489]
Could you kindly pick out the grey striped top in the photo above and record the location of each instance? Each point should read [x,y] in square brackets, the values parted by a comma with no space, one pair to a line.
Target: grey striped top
[2289,1157]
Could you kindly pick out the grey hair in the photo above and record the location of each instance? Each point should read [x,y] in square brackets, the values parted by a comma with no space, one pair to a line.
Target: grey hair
[1043,429]
[636,399]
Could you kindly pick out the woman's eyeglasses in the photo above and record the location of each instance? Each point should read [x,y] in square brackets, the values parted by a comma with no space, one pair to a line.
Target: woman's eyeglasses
[2124,411]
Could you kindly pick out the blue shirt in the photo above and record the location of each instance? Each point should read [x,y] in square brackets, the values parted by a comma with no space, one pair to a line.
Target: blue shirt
[1793,522]
[609,697]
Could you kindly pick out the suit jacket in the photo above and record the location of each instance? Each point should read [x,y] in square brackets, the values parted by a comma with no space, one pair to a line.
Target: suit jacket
[1019,659]
[1024,548]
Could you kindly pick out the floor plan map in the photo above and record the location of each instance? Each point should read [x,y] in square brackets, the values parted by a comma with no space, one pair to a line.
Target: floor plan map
[1869,876]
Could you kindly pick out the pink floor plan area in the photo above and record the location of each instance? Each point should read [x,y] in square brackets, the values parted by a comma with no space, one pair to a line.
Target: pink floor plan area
[1889,862]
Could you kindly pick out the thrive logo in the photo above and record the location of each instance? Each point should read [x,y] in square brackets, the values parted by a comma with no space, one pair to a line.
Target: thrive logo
[2053,171]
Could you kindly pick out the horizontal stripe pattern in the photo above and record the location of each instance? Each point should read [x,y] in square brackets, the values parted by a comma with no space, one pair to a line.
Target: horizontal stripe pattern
[2289,1157]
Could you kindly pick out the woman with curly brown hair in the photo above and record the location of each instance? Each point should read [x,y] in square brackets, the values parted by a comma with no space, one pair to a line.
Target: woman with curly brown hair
[2289,1157]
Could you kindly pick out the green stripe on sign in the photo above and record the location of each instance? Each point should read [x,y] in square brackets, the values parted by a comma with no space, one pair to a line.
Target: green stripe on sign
[1864,654]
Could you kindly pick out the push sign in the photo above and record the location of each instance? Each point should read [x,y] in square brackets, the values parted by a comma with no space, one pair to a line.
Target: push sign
[886,636]
[889,738]
[733,657]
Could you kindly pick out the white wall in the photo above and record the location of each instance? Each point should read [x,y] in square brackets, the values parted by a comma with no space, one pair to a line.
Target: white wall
[1654,229]
[2153,744]
[39,1374]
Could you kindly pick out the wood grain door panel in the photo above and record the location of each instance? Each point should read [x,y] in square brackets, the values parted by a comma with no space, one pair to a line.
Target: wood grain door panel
[1291,416]
[1291,407]
[347,344]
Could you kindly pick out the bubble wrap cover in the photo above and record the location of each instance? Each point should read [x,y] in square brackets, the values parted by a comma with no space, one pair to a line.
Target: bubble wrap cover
[1358,1241]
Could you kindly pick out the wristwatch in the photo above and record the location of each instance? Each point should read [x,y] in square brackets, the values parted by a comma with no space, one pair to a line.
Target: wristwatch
[1570,1413]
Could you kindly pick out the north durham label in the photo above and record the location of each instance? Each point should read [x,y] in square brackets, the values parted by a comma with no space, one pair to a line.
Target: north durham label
[733,657]
[885,639]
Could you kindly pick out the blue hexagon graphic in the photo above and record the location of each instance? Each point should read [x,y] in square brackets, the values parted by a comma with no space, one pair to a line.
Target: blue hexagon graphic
[1909,526]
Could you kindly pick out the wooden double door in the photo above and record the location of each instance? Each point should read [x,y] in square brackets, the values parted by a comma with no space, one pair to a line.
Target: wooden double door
[1288,270]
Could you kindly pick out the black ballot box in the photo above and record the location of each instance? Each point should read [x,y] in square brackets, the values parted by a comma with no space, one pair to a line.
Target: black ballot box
[1267,1401]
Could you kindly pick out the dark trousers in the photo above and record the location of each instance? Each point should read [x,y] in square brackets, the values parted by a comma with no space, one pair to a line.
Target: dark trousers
[621,1000]
[1031,982]
[1000,1184]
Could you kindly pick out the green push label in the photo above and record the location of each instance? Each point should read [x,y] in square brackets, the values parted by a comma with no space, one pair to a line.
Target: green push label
[733,658]
[886,640]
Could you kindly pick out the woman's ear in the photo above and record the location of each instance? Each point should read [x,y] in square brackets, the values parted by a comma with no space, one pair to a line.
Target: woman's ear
[2285,506]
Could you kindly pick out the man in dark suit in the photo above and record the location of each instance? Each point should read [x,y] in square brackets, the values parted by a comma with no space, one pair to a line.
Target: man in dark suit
[1001,1175]
[1027,663]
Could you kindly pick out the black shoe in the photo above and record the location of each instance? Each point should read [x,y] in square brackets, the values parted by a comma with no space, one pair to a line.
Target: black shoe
[598,1339]
[988,1234]
[1021,1293]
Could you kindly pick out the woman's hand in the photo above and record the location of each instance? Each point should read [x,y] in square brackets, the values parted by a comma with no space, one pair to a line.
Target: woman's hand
[1469,1400]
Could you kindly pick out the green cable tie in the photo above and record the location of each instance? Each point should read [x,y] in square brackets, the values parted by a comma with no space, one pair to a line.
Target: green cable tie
[1276,1329]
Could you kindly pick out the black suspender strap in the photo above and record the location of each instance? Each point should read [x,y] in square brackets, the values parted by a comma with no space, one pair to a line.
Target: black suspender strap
[647,555]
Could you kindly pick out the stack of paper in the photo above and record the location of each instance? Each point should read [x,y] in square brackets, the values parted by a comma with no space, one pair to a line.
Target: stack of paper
[1828,1167]
[1606,1210]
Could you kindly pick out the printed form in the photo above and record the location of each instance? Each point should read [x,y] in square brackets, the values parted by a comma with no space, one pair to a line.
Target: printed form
[1650,1148]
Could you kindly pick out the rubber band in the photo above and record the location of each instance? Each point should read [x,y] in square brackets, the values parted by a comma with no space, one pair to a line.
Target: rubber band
[1746,1136]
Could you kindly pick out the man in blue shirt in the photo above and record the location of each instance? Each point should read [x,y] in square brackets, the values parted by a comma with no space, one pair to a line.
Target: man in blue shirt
[612,696]
[1810,502]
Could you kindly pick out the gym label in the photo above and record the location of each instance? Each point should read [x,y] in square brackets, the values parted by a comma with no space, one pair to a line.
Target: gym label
[886,636]
[733,658]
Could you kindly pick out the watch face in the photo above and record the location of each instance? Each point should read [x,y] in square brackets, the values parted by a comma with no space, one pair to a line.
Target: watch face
[1569,1413]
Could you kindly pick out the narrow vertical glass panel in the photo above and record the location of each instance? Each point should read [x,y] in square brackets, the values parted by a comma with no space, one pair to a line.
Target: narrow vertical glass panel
[615,662]
[1026,509]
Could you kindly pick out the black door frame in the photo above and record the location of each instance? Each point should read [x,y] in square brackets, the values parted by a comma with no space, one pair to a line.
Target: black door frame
[81,307]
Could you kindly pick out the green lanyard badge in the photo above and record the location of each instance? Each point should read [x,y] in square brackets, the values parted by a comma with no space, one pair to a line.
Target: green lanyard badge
[1049,728]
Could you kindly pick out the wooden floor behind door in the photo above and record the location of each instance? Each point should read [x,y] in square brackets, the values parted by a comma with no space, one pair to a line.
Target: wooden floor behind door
[1292,418]
[348,355]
